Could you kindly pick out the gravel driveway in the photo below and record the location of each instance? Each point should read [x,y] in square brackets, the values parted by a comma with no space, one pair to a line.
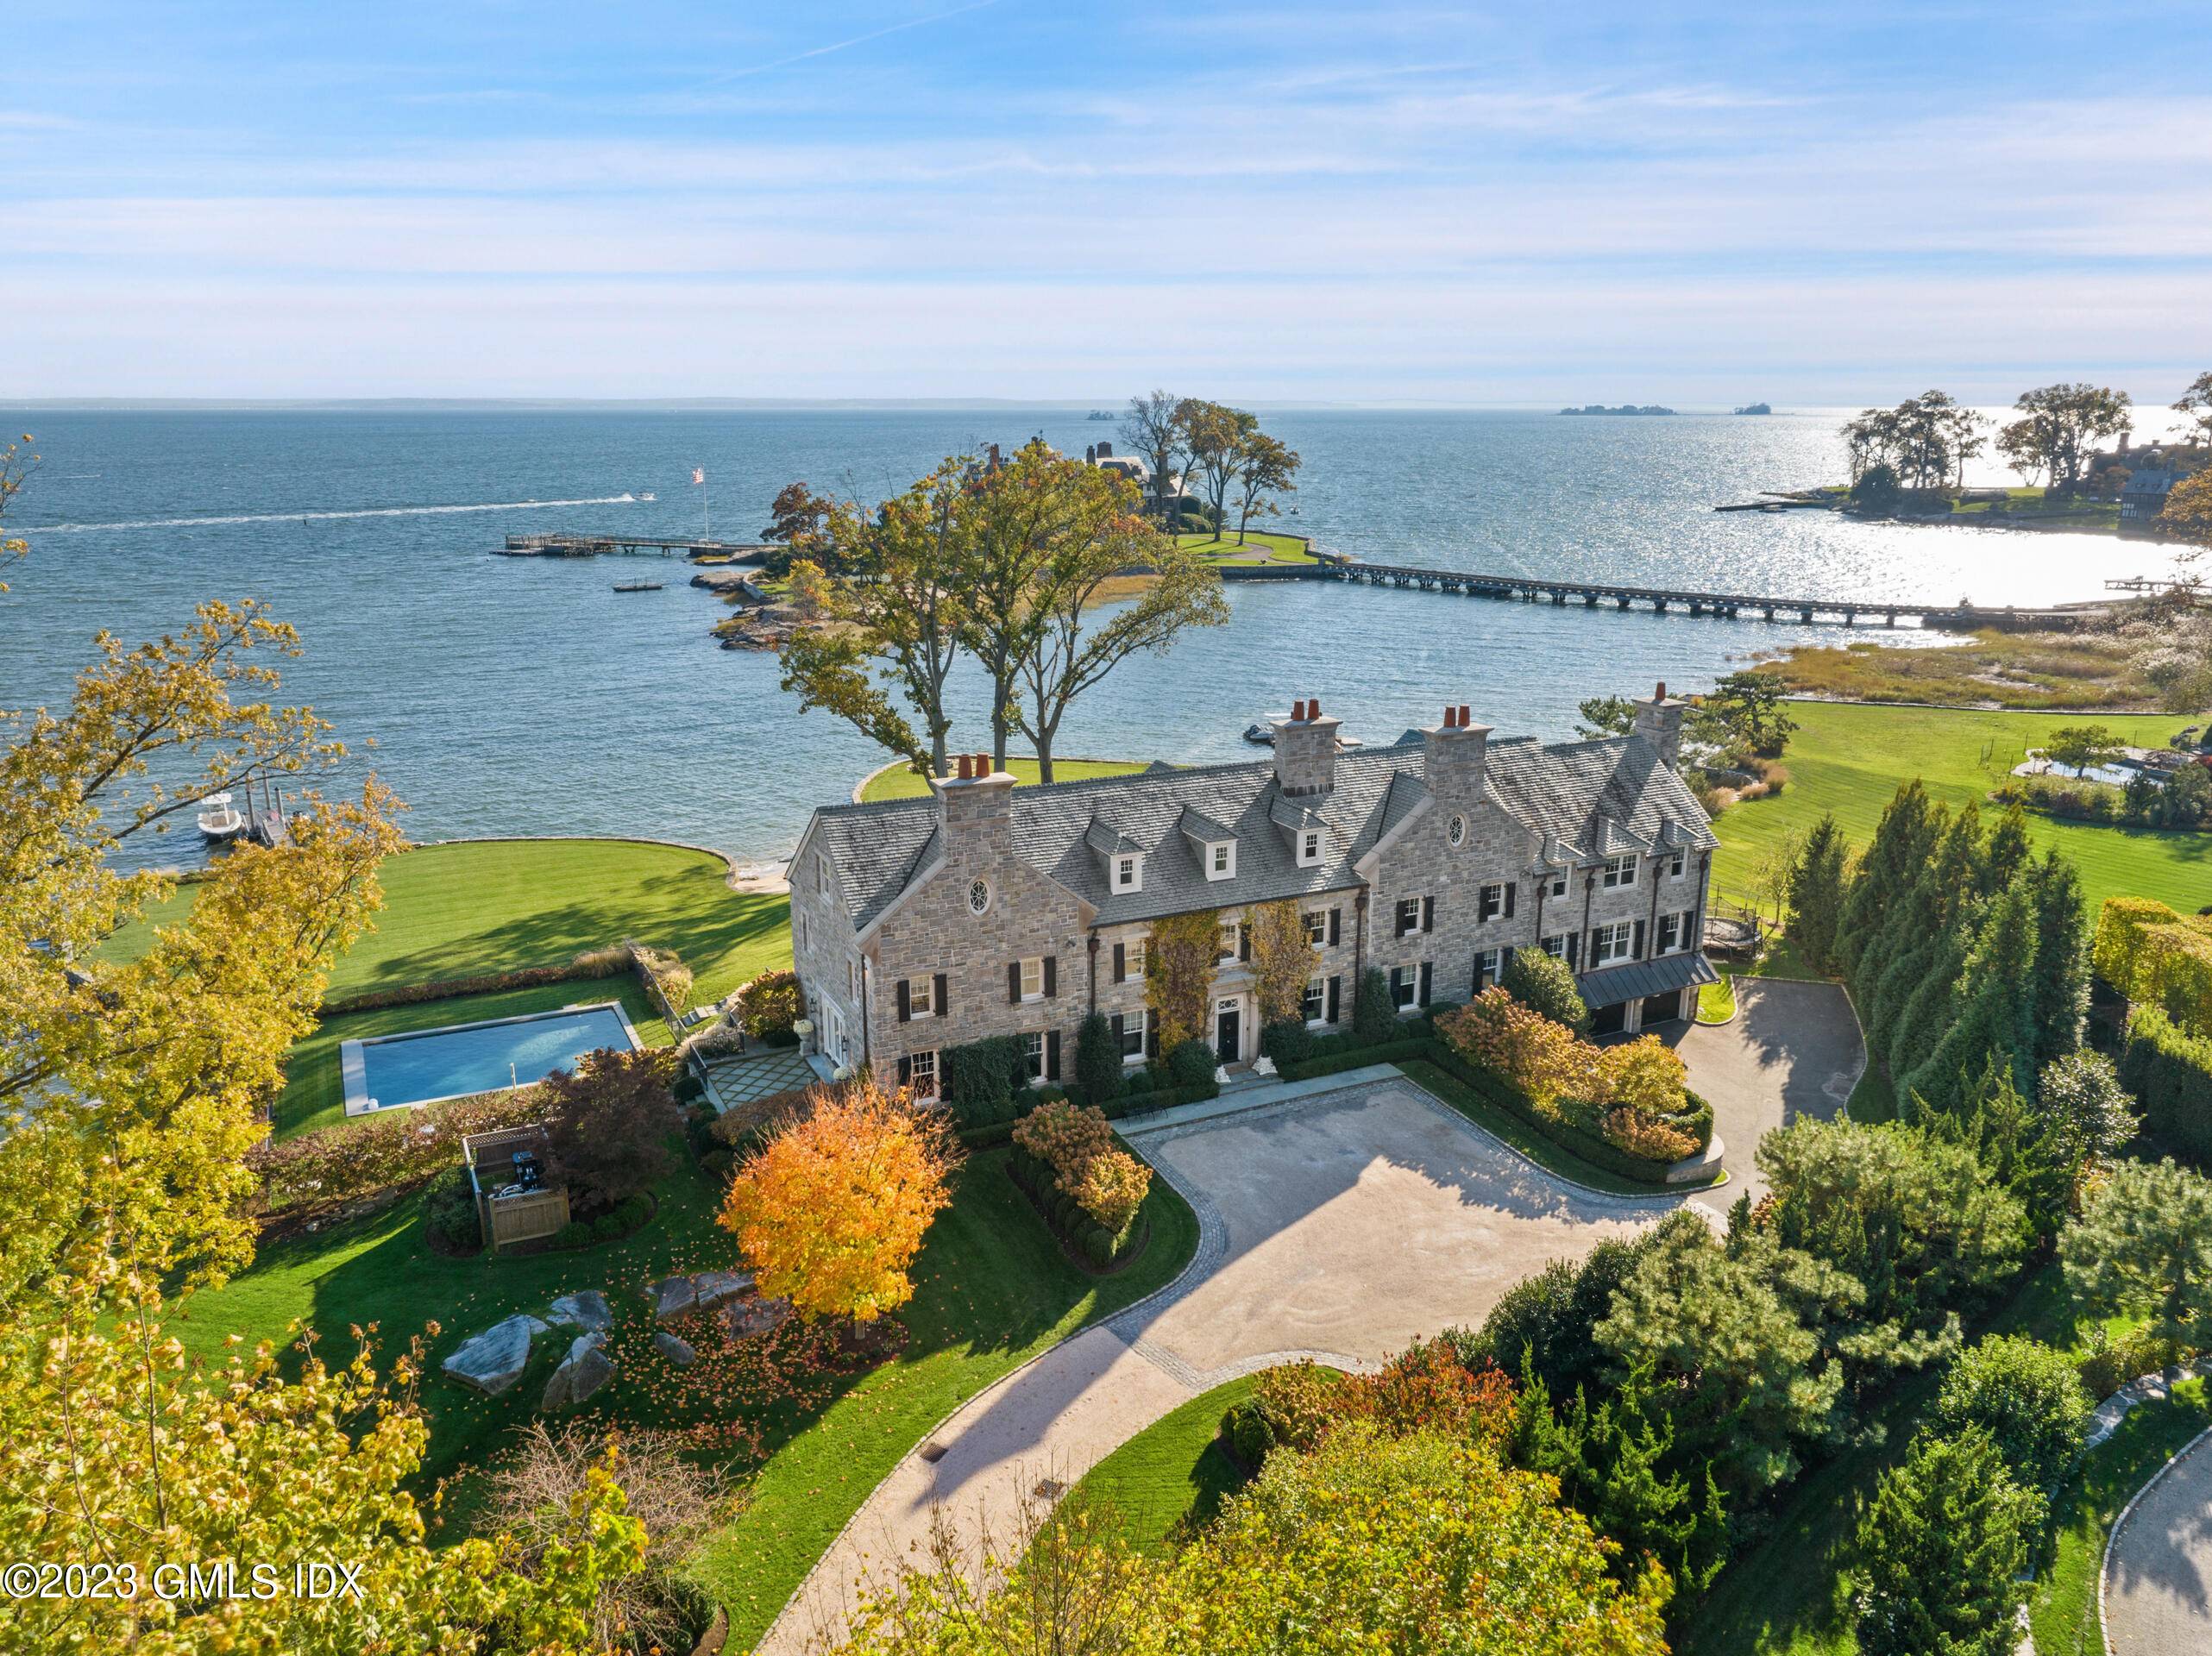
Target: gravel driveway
[1337,1225]
[1792,1049]
[2157,1570]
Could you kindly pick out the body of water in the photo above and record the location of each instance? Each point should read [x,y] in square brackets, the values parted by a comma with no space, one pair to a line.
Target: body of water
[524,696]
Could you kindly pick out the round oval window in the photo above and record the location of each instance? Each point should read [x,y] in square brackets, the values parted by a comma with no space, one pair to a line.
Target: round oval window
[1457,829]
[979,897]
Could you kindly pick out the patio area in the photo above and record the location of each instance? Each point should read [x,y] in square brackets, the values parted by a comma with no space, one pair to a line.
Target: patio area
[736,1079]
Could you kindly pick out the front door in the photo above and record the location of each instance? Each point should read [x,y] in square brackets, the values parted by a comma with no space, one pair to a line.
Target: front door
[1227,1032]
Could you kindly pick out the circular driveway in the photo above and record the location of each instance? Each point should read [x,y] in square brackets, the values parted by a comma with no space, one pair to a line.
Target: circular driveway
[1792,1050]
[2157,1568]
[1337,1225]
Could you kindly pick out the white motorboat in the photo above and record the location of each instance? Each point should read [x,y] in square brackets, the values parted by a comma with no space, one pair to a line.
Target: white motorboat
[219,819]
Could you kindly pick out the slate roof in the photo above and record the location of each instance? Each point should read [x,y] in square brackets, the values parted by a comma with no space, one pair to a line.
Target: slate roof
[1595,798]
[1610,985]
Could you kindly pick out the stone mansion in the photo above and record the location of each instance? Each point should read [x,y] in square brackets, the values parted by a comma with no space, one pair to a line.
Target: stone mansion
[922,924]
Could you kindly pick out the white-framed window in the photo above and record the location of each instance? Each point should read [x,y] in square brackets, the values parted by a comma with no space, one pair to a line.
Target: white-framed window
[1221,859]
[1489,967]
[1032,1048]
[1128,872]
[821,874]
[799,927]
[1232,942]
[921,1073]
[1133,1037]
[1555,946]
[978,896]
[834,1036]
[922,997]
[1132,958]
[1033,978]
[1316,1006]
[1409,915]
[1619,871]
[1611,942]
[1670,933]
[1676,863]
[1309,846]
[1495,900]
[1317,927]
[1456,830]
[1559,883]
[1404,986]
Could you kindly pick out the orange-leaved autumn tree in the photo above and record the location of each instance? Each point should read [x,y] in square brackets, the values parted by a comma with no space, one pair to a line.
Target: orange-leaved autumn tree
[832,1210]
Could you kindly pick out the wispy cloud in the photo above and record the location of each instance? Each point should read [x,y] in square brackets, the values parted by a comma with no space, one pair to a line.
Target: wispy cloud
[840,46]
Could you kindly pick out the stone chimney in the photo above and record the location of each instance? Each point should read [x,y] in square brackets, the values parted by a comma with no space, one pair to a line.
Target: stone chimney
[1105,451]
[1659,721]
[975,809]
[1306,751]
[1453,754]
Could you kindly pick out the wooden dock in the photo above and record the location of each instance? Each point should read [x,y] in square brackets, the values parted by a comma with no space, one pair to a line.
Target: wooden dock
[594,546]
[1666,601]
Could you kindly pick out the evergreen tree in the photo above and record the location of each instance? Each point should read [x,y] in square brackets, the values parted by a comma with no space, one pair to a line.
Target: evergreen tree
[1997,1014]
[2018,1146]
[2028,1397]
[1943,1544]
[1893,860]
[2090,1112]
[2061,969]
[1934,1005]
[2143,1246]
[1816,894]
[2006,853]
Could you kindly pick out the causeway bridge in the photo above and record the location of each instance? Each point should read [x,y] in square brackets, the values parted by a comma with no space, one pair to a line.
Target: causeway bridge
[1662,600]
[593,546]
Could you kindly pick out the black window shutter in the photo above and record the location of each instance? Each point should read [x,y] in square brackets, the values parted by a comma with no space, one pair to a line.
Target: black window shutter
[939,1006]
[1014,982]
[1424,982]
[1052,975]
[1151,1038]
[1504,959]
[1636,944]
[1120,963]
[1428,914]
[1398,921]
[1334,984]
[1511,886]
[1051,1055]
[1117,1021]
[906,1071]
[1244,943]
[905,1010]
[1335,927]
[1574,949]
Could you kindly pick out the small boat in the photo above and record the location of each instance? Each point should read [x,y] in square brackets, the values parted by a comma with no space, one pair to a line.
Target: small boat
[219,819]
[648,495]
[637,586]
[1259,733]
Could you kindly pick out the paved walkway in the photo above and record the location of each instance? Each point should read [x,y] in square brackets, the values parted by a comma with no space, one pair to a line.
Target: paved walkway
[1337,1225]
[1792,1049]
[2157,1568]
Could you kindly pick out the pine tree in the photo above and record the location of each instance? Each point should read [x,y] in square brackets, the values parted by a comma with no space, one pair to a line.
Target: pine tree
[1943,1544]
[1816,894]
[1998,1011]
[1934,1005]
[1894,857]
[2061,969]
[2006,851]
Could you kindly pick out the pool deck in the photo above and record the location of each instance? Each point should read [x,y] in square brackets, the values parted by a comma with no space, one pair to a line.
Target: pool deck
[353,1066]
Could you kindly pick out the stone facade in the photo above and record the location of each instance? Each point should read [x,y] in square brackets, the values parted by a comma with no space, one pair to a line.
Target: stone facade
[926,926]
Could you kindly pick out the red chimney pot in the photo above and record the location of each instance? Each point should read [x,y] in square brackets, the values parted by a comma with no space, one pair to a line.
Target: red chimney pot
[1313,707]
[1661,696]
[1465,721]
[1451,716]
[963,767]
[1297,711]
[983,766]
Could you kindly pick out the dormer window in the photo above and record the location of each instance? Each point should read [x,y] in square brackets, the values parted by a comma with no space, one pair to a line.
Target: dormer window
[1128,872]
[1309,847]
[1221,859]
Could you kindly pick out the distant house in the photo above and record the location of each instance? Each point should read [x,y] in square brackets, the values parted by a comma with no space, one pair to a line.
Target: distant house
[2144,495]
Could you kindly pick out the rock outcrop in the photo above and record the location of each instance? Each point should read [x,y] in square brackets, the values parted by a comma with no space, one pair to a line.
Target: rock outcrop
[586,1312]
[677,1352]
[493,1360]
[582,1372]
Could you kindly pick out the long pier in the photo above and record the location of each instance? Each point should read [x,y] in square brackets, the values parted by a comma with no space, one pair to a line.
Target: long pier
[593,546]
[1663,601]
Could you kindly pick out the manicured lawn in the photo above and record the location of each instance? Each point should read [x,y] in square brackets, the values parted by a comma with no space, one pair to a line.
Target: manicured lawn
[1850,759]
[314,1095]
[468,910]
[1717,1001]
[1175,1469]
[1787,1595]
[2064,1611]
[1258,547]
[992,1288]
[900,783]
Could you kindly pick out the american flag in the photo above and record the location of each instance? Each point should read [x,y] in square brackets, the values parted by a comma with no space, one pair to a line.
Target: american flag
[698,474]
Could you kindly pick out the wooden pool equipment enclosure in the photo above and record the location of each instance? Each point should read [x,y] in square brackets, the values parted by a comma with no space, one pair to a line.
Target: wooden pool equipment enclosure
[507,1170]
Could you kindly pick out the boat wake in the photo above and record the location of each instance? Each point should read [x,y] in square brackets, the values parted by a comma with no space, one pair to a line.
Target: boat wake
[319,517]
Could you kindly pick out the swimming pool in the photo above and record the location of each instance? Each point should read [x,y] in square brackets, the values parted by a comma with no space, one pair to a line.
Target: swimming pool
[390,1072]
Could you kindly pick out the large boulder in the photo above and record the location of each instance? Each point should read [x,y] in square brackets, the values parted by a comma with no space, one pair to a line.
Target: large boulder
[583,1371]
[712,1287]
[745,1318]
[672,1297]
[586,1312]
[677,1352]
[494,1360]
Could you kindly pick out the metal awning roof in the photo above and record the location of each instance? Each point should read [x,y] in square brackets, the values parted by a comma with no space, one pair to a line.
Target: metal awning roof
[1642,978]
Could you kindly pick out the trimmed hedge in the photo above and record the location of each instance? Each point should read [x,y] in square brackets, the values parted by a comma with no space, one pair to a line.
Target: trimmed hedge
[1065,1217]
[2170,1072]
[983,1081]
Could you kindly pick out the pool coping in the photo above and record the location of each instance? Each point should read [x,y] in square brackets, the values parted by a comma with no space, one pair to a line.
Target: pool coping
[352,1071]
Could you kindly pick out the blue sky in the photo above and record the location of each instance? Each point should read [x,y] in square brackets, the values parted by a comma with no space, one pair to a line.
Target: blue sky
[1434,203]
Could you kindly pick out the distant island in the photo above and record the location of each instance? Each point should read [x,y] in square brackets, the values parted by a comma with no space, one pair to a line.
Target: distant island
[1755,408]
[1626,408]
[1101,414]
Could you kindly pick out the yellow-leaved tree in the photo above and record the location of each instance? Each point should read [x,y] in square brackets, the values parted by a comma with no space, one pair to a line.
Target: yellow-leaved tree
[1282,959]
[136,1061]
[832,1210]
